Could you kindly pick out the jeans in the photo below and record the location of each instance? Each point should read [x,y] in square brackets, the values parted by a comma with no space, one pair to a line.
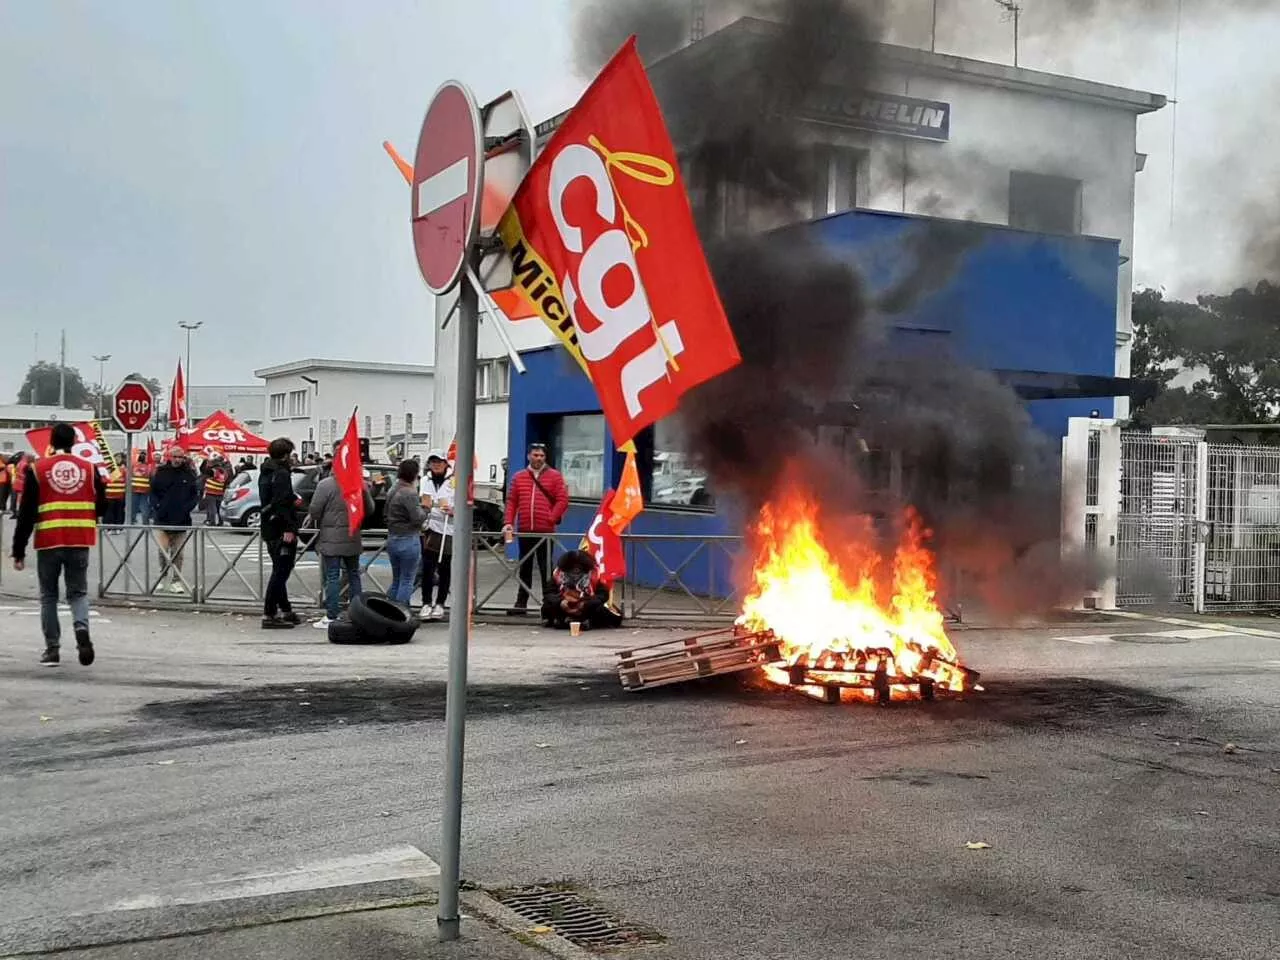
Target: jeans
[333,567]
[71,563]
[405,551]
[213,511]
[533,547]
[141,508]
[283,556]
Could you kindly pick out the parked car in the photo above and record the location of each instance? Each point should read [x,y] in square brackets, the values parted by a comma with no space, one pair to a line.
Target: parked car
[241,506]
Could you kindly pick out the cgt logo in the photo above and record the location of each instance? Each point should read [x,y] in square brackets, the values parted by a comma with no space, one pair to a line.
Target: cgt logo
[223,436]
[68,476]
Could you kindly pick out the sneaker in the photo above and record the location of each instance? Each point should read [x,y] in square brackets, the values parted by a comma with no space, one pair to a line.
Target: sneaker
[276,623]
[84,646]
[177,587]
[322,623]
[436,613]
[50,657]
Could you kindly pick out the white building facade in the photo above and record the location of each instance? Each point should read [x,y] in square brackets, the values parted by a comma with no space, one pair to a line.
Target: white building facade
[310,402]
[245,402]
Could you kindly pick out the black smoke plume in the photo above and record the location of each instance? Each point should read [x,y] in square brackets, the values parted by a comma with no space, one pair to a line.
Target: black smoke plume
[817,359]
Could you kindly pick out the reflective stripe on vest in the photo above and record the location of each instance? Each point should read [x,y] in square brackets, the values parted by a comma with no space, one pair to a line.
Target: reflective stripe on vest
[67,514]
[215,485]
[141,483]
[116,488]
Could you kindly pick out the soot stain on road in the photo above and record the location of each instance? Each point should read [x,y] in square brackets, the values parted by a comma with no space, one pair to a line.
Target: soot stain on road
[1060,702]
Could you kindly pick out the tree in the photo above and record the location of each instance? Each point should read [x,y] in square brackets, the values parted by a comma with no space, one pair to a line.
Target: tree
[1229,345]
[41,387]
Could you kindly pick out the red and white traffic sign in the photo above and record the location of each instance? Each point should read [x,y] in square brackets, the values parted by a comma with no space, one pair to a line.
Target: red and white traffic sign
[133,406]
[447,180]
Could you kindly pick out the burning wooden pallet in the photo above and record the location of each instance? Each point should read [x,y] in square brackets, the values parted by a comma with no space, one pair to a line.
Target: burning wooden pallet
[874,675]
[718,652]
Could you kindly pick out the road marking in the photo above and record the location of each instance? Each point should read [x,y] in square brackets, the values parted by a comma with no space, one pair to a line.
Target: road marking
[1197,633]
[1179,622]
[1089,638]
[402,862]
[444,187]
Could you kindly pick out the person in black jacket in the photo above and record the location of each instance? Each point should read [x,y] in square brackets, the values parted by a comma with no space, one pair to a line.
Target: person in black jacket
[280,522]
[175,492]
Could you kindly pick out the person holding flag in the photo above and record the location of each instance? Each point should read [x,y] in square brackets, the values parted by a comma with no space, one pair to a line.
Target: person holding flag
[338,508]
[438,493]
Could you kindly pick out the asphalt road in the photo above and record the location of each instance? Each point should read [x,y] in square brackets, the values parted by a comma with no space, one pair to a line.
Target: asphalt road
[736,822]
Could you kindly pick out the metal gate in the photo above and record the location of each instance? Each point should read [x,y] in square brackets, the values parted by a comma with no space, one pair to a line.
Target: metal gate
[1156,536]
[1242,562]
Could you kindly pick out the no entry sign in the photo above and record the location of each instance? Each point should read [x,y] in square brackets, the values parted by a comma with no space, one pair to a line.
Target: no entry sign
[133,406]
[447,179]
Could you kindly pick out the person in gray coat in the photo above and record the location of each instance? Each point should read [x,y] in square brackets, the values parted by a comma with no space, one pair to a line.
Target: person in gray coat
[339,549]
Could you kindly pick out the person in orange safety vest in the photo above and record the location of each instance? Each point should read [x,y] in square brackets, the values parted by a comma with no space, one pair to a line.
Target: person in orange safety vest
[116,489]
[62,498]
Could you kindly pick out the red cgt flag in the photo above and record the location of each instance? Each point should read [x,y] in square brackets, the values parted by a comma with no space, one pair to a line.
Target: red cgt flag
[604,247]
[349,472]
[603,543]
[178,401]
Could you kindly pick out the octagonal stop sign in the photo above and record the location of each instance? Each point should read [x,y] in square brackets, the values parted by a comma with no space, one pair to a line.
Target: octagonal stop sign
[133,406]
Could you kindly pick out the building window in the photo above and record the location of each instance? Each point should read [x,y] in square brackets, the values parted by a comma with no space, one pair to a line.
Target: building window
[386,427]
[835,179]
[368,426]
[277,406]
[408,425]
[502,378]
[1043,203]
[297,403]
[483,381]
[578,442]
[677,481]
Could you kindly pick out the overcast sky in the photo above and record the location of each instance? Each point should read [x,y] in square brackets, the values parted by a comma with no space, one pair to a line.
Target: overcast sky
[166,161]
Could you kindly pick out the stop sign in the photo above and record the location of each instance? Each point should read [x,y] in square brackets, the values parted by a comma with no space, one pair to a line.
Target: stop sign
[133,406]
[447,180]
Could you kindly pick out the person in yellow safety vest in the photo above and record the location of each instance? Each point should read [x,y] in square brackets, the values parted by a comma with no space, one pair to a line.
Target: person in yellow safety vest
[214,474]
[62,498]
[142,471]
[115,494]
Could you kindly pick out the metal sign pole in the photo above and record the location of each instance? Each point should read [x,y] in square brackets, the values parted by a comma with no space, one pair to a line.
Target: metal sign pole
[455,710]
[128,478]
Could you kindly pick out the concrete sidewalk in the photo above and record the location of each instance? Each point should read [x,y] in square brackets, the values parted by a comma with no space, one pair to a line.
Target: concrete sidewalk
[388,933]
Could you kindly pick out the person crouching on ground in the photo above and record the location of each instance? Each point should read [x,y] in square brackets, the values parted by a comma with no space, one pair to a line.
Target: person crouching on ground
[280,523]
[339,549]
[175,493]
[62,498]
[578,595]
[437,540]
[405,517]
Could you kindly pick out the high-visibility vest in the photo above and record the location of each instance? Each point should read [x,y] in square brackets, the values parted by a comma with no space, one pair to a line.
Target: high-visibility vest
[68,515]
[215,485]
[116,486]
[141,480]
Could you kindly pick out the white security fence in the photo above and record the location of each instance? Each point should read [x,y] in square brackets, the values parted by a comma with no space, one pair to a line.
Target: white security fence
[1170,518]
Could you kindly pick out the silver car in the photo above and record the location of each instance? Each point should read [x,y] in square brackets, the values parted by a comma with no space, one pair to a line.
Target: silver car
[241,505]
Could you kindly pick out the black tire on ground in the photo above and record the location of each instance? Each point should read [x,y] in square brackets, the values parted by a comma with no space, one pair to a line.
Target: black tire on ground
[344,631]
[379,616]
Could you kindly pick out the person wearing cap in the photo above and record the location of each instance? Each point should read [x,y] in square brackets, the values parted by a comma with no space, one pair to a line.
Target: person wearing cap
[437,489]
[536,503]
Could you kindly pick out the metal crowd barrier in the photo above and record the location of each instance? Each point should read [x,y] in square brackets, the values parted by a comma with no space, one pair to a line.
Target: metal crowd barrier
[668,577]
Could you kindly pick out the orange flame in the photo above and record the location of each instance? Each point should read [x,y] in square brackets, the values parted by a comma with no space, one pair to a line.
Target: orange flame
[843,612]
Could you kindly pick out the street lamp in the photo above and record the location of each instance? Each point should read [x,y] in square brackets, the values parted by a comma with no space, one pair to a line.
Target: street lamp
[189,327]
[102,360]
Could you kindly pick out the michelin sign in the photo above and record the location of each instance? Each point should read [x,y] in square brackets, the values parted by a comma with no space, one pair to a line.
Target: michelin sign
[881,112]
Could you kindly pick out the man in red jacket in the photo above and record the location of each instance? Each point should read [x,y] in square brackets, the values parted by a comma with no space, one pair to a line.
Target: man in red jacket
[536,503]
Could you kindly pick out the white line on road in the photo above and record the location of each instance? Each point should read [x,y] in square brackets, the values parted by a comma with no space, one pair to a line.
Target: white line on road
[1178,622]
[403,862]
[443,187]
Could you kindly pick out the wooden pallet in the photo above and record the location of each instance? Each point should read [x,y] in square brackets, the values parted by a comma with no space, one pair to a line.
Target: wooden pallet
[730,650]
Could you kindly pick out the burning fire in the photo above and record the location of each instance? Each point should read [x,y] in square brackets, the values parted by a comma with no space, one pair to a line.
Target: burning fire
[847,625]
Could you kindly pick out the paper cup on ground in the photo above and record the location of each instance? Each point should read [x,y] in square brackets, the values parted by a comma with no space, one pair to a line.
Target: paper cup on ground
[575,628]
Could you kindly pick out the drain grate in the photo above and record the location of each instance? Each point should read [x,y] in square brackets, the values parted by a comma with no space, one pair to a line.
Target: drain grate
[577,920]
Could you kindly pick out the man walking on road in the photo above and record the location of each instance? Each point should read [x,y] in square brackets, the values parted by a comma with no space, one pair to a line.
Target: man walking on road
[280,523]
[536,503]
[339,549]
[62,498]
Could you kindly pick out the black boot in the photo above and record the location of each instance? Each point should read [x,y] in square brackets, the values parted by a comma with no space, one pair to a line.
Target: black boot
[84,646]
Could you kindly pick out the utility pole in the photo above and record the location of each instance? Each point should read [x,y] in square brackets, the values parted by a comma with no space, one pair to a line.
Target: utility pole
[189,327]
[62,373]
[1012,11]
[102,360]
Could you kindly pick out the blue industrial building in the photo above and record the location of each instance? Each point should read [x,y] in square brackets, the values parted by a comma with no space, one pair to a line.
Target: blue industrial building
[1037,309]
